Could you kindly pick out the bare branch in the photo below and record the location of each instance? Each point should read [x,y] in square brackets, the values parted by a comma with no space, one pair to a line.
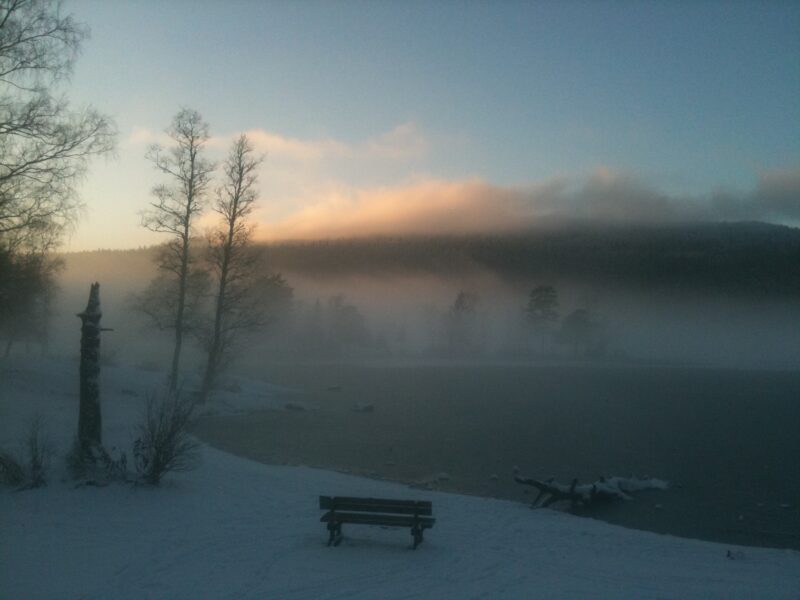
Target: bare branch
[45,146]
[232,258]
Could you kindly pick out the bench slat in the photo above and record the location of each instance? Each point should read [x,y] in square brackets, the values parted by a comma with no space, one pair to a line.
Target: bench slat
[410,507]
[389,520]
[373,508]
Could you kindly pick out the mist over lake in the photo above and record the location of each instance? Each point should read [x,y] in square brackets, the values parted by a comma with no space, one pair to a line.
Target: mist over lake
[701,294]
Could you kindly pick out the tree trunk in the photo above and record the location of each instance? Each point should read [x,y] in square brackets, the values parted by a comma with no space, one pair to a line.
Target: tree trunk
[89,418]
[215,350]
[184,275]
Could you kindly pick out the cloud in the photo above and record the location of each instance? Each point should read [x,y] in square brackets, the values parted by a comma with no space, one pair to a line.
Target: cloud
[278,146]
[402,143]
[437,206]
[144,136]
[776,197]
[274,144]
[405,142]
[427,207]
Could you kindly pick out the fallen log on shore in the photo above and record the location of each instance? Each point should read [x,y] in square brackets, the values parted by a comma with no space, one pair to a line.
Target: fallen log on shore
[604,489]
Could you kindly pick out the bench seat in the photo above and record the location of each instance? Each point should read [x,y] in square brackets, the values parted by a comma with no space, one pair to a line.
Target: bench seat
[415,514]
[376,519]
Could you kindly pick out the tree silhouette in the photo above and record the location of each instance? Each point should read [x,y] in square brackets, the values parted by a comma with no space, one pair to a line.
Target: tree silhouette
[175,209]
[233,259]
[45,148]
[541,310]
[461,323]
[45,145]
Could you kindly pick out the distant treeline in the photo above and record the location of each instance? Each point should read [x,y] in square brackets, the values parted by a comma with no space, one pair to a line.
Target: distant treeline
[755,258]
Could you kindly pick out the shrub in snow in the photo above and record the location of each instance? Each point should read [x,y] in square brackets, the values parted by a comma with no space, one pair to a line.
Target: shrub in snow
[96,465]
[31,471]
[164,443]
[11,471]
[40,451]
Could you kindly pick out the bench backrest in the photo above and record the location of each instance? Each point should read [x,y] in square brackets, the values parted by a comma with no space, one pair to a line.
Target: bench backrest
[376,505]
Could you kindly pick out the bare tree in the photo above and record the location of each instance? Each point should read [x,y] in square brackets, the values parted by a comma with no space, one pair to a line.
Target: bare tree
[159,300]
[176,208]
[233,259]
[542,310]
[27,289]
[45,148]
[461,324]
[45,145]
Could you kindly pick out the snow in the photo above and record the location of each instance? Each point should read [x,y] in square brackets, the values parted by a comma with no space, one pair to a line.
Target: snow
[239,529]
[613,487]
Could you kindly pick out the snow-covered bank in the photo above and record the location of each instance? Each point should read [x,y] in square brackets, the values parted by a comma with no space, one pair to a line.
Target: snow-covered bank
[239,529]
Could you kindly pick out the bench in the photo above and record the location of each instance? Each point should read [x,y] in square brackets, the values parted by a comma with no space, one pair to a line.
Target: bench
[415,514]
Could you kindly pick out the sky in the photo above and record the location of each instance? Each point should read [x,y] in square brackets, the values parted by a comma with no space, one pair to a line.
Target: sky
[379,117]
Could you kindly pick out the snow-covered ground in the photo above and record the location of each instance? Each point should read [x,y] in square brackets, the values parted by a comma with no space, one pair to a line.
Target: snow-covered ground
[239,529]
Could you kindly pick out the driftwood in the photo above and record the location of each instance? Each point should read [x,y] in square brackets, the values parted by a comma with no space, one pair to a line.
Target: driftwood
[612,488]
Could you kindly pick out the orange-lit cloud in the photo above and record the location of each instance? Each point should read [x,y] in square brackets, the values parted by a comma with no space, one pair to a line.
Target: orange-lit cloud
[315,188]
[426,207]
[438,206]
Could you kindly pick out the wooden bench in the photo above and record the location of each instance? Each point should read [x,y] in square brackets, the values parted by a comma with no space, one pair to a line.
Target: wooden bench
[415,514]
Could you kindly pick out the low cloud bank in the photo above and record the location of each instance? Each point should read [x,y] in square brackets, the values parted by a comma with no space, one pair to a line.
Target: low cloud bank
[437,206]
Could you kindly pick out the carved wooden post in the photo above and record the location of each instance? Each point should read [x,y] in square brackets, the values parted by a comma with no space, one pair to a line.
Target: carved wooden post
[89,419]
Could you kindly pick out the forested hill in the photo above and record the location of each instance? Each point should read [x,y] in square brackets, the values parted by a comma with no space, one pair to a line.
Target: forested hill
[752,258]
[746,257]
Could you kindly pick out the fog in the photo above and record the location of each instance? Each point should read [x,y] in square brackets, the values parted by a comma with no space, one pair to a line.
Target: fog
[384,306]
[674,354]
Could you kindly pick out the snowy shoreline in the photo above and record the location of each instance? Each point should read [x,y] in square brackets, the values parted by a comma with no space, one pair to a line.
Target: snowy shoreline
[235,528]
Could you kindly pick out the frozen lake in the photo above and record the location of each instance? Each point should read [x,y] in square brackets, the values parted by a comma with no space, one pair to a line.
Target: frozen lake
[728,440]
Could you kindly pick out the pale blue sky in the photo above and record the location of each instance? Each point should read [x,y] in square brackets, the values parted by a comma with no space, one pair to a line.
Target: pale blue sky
[685,97]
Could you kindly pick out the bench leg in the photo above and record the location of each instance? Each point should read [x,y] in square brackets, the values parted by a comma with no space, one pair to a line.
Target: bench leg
[334,533]
[332,527]
[338,535]
[417,533]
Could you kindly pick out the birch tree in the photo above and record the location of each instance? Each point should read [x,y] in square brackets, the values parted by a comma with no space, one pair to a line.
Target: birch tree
[45,144]
[45,149]
[174,211]
[542,311]
[233,259]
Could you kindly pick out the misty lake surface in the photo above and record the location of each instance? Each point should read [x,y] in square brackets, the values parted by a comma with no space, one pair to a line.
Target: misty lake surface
[727,440]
